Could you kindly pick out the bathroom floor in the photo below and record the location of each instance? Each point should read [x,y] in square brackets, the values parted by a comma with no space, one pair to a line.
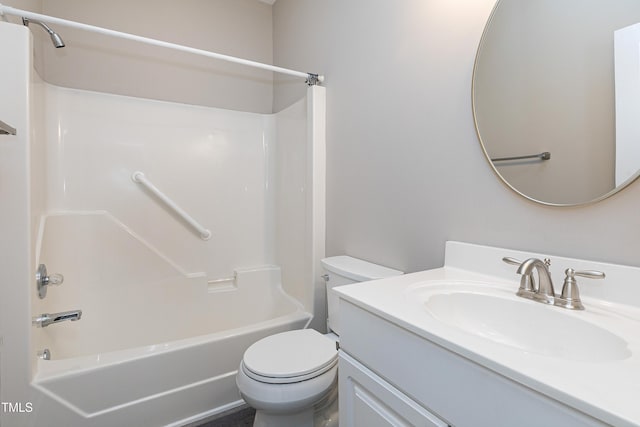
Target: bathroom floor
[243,418]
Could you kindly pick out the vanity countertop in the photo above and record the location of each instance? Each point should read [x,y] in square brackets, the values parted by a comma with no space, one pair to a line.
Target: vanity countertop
[607,389]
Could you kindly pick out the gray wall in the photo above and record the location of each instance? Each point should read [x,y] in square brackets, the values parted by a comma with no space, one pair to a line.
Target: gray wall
[31,5]
[405,169]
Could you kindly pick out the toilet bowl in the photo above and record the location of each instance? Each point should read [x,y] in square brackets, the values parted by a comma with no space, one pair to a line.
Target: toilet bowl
[291,378]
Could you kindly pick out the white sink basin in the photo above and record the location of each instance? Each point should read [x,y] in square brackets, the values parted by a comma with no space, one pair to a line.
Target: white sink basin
[500,316]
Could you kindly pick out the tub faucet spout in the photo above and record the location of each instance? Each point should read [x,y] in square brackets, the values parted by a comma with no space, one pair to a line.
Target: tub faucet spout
[46,319]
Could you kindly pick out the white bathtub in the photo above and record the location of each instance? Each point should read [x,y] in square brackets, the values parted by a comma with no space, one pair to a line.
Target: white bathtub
[155,346]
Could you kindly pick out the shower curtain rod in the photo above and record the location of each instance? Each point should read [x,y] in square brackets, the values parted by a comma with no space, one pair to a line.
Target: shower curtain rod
[310,78]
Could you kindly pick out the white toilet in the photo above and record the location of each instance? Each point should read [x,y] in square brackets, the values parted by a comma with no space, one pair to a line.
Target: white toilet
[291,378]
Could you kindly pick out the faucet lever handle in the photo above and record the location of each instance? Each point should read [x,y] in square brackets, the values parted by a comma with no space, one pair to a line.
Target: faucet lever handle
[511,261]
[570,297]
[514,261]
[590,274]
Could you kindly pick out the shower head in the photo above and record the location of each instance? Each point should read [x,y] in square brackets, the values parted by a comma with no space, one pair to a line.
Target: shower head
[55,38]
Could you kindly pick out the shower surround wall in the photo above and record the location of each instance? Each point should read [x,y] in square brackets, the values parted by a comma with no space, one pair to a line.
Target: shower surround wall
[215,164]
[150,288]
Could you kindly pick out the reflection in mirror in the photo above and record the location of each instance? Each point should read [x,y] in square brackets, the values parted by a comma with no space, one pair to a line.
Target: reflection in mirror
[561,77]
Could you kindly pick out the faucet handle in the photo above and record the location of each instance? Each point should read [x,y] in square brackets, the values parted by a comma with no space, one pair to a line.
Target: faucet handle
[570,297]
[590,274]
[511,261]
[43,280]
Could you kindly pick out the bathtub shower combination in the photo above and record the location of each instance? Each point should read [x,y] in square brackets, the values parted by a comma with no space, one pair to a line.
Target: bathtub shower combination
[174,236]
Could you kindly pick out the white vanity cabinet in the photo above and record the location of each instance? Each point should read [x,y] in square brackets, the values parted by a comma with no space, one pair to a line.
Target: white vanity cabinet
[390,376]
[368,400]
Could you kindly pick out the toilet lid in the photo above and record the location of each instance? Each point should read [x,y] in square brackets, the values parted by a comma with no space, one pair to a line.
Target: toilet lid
[290,356]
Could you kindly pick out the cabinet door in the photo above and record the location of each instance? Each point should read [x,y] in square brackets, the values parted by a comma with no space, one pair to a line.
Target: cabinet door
[366,400]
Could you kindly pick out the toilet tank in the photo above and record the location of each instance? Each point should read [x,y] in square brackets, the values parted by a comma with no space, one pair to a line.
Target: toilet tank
[344,270]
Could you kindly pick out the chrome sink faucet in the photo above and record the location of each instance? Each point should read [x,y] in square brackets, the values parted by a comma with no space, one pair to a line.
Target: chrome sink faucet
[545,292]
[528,284]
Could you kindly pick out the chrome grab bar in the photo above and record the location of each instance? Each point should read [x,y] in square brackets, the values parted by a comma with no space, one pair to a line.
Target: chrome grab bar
[139,178]
[542,156]
[5,129]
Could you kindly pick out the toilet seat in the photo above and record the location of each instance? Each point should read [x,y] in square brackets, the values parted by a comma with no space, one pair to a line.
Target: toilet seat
[286,398]
[290,357]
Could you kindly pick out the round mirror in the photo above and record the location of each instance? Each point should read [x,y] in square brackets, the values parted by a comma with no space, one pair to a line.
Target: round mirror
[556,97]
